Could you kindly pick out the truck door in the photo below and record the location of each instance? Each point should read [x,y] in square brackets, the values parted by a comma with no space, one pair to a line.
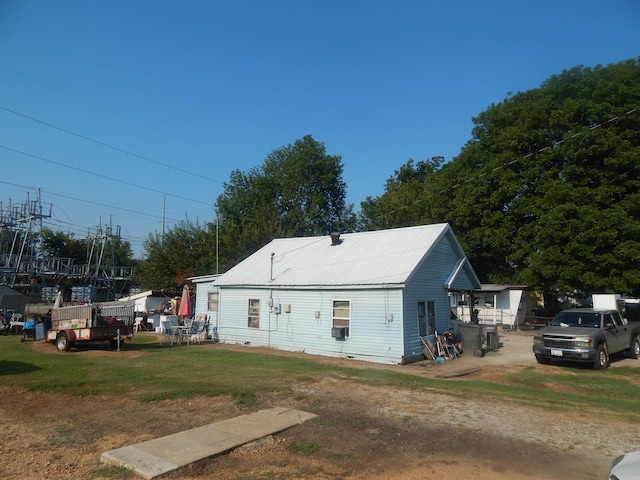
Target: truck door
[615,332]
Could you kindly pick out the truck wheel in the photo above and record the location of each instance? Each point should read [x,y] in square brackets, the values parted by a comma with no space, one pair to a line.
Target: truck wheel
[543,360]
[62,342]
[602,357]
[634,351]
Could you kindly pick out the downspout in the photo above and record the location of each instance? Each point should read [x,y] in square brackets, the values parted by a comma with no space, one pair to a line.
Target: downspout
[216,330]
[270,301]
[270,309]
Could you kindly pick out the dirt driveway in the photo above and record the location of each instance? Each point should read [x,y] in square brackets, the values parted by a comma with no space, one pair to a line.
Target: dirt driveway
[362,432]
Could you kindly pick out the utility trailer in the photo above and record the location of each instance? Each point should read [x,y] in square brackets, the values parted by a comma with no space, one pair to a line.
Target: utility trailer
[111,321]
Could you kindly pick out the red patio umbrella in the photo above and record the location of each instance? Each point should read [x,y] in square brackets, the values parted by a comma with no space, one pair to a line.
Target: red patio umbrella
[185,303]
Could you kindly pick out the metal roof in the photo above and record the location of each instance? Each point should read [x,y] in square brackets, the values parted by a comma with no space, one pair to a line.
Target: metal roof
[498,287]
[9,292]
[380,257]
[149,293]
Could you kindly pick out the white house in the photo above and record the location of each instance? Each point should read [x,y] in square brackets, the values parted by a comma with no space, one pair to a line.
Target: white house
[368,295]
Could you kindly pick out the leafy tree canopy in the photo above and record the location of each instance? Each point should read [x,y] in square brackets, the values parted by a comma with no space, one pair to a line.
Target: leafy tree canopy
[184,251]
[297,191]
[403,202]
[547,191]
[83,250]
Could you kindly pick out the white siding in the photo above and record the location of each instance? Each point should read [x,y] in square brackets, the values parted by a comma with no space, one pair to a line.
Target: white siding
[375,332]
[384,274]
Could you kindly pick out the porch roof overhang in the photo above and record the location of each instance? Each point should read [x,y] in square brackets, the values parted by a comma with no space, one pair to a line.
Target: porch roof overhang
[497,288]
[463,277]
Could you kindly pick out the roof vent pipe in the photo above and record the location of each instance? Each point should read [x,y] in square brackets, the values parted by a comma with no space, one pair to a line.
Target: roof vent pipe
[335,238]
[271,272]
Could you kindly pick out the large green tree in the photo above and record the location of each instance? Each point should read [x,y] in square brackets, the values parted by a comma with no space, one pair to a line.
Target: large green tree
[554,193]
[406,199]
[182,252]
[297,191]
[547,191]
[115,251]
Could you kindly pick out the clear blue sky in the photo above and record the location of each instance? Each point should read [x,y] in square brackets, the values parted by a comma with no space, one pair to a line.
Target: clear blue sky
[111,107]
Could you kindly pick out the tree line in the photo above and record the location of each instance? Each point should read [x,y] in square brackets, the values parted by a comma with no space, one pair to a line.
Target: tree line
[546,193]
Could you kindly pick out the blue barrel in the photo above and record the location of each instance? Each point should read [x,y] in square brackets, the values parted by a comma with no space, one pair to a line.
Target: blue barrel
[41,331]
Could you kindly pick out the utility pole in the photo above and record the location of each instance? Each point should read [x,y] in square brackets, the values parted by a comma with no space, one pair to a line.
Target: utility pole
[164,198]
[217,245]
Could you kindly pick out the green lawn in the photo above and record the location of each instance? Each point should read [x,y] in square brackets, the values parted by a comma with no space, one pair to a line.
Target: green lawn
[146,371]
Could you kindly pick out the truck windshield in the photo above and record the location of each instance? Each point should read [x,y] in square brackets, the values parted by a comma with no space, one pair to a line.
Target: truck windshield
[577,319]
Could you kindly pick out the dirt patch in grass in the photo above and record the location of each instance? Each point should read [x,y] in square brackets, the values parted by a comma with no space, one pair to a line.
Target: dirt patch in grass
[361,432]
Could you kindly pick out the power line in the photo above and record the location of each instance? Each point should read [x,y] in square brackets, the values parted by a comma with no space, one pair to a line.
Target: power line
[118,149]
[130,119]
[103,176]
[85,232]
[84,200]
[83,229]
[510,162]
[107,145]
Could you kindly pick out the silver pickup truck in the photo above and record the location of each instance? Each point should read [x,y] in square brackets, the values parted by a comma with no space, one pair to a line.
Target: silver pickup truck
[586,335]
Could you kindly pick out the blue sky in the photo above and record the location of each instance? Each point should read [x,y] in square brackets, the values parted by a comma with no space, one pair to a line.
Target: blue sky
[113,108]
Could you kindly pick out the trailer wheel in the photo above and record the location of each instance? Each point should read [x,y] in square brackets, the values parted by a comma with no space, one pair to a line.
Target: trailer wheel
[62,342]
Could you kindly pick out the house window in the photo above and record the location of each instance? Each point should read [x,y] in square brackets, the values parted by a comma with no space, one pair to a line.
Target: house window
[254,313]
[459,299]
[489,301]
[212,302]
[426,318]
[342,314]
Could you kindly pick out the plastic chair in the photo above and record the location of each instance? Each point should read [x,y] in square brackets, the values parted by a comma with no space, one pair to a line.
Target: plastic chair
[139,324]
[167,331]
[184,331]
[197,331]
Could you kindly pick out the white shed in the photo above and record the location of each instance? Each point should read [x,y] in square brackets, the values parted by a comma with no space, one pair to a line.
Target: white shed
[152,306]
[367,295]
[494,304]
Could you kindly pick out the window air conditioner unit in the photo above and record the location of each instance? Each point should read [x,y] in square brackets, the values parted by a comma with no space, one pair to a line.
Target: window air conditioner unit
[339,332]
